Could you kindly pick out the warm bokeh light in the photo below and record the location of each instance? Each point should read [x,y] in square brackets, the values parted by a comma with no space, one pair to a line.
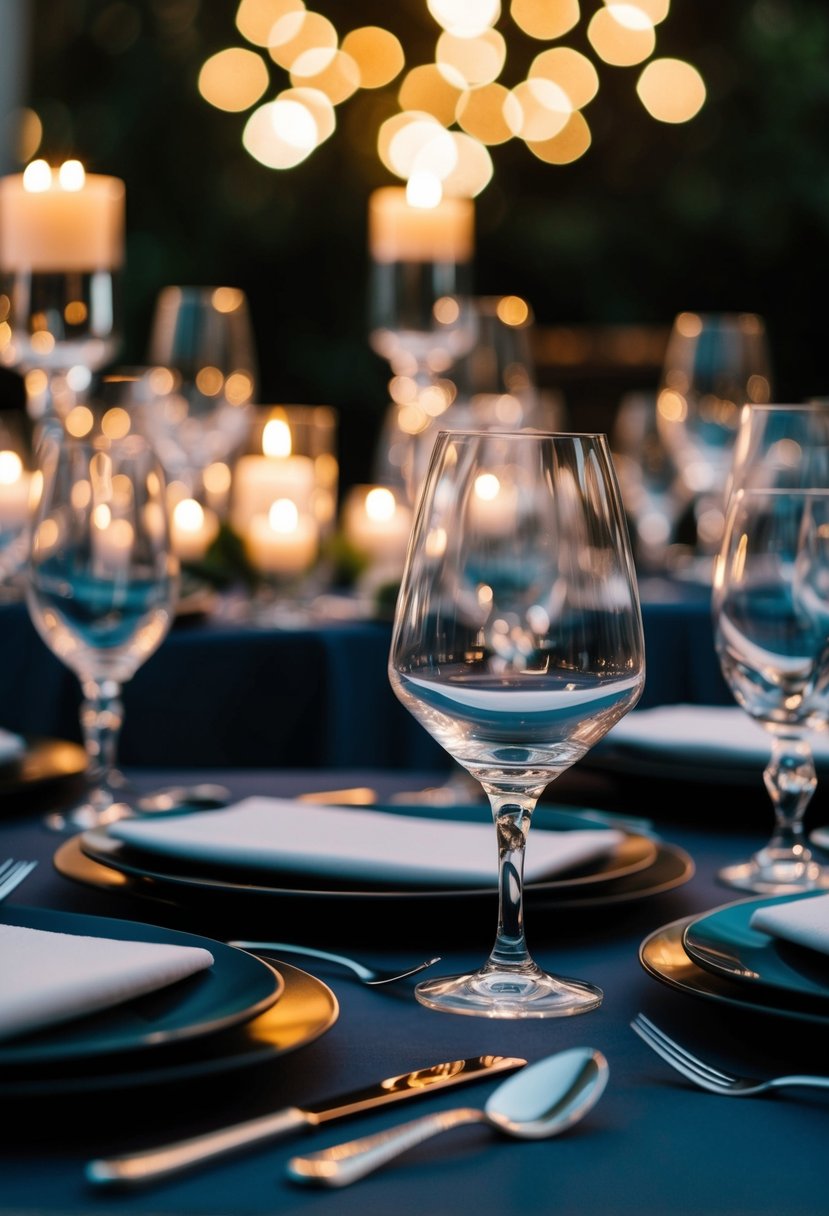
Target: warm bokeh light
[280,133]
[473,168]
[234,79]
[276,438]
[330,72]
[29,134]
[227,299]
[471,61]
[570,70]
[209,380]
[544,109]
[671,90]
[11,468]
[75,312]
[378,54]
[116,423]
[655,10]
[621,35]
[217,478]
[545,19]
[465,18]
[426,89]
[380,504]
[71,175]
[482,113]
[238,388]
[512,310]
[568,145]
[296,33]
[424,190]
[256,18]
[283,515]
[79,421]
[413,141]
[37,177]
[188,515]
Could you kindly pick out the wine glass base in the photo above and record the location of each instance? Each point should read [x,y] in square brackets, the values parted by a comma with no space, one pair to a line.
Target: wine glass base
[778,877]
[492,993]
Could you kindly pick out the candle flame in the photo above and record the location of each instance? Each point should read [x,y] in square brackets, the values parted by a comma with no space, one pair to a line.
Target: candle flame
[37,177]
[487,487]
[424,190]
[11,468]
[71,175]
[188,515]
[283,515]
[380,504]
[276,438]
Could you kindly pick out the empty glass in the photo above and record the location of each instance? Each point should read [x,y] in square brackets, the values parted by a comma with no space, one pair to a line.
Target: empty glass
[101,588]
[517,644]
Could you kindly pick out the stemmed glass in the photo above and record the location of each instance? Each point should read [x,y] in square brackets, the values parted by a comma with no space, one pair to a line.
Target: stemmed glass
[771,616]
[15,500]
[101,588]
[517,644]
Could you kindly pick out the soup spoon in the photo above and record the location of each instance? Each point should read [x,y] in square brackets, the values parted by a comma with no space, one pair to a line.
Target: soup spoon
[542,1100]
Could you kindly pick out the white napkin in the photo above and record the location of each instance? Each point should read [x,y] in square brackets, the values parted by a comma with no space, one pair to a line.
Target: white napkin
[803,921]
[279,834]
[701,732]
[11,746]
[53,977]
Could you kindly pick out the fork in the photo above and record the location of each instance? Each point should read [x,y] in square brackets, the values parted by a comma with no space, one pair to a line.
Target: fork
[12,874]
[373,976]
[705,1075]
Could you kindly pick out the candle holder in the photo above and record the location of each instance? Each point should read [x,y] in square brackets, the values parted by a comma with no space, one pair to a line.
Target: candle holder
[61,253]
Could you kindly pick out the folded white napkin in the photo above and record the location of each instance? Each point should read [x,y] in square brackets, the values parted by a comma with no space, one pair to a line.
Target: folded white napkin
[280,834]
[701,732]
[11,746]
[53,977]
[802,921]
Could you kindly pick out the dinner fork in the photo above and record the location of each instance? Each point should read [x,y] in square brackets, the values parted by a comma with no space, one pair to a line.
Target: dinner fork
[705,1075]
[12,874]
[373,976]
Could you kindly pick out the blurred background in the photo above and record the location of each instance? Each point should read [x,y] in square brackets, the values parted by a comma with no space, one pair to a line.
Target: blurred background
[727,212]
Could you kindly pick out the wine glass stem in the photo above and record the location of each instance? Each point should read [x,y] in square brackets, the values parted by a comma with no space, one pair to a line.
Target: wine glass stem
[101,716]
[790,779]
[512,813]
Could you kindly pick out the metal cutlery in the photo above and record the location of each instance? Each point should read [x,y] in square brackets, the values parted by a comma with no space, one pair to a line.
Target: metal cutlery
[373,976]
[12,874]
[705,1075]
[164,1160]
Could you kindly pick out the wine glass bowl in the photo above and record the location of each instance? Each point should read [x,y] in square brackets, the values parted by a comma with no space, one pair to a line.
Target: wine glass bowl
[517,644]
[101,587]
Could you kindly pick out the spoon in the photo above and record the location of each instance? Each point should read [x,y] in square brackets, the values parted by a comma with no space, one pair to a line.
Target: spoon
[542,1100]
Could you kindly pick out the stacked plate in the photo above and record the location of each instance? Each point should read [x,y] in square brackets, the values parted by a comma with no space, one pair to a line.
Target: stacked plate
[238,1011]
[720,956]
[293,863]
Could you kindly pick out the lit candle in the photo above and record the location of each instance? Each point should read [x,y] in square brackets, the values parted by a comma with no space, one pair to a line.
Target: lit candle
[61,220]
[192,529]
[112,543]
[258,481]
[283,542]
[15,484]
[377,524]
[402,232]
[493,506]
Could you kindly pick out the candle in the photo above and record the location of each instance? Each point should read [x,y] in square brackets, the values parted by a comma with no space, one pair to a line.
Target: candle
[376,524]
[64,220]
[283,542]
[112,543]
[258,481]
[15,484]
[401,232]
[493,506]
[192,529]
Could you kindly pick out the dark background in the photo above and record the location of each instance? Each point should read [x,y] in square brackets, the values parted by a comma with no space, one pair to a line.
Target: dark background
[728,212]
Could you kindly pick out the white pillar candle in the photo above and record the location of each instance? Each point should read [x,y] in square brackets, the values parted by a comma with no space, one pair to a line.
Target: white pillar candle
[258,481]
[61,220]
[493,505]
[283,542]
[192,529]
[112,543]
[15,486]
[376,524]
[401,232]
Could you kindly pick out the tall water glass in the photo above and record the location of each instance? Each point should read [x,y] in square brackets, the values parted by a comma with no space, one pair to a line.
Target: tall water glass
[517,644]
[101,588]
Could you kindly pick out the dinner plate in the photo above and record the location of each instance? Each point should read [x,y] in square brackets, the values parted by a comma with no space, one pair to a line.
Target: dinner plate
[306,1010]
[663,956]
[43,761]
[724,942]
[234,989]
[670,868]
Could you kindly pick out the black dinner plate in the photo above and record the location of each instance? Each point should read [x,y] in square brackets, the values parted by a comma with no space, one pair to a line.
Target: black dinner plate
[724,942]
[236,988]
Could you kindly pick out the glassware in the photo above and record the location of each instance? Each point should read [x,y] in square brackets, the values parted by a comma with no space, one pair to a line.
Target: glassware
[16,490]
[197,402]
[715,363]
[517,644]
[771,617]
[101,588]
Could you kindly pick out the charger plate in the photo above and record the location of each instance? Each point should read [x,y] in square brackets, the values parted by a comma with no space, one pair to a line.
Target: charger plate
[304,1012]
[663,956]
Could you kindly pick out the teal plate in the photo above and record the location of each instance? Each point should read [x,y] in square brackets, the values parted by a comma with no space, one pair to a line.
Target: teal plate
[235,989]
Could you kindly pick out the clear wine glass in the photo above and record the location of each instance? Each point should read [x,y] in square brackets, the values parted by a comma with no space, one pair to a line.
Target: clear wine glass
[195,403]
[517,644]
[101,588]
[16,490]
[771,617]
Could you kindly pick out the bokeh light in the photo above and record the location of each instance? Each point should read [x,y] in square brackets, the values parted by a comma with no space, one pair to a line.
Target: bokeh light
[671,90]
[378,54]
[234,79]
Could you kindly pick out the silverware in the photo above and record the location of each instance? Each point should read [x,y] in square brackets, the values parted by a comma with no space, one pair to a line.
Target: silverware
[166,1159]
[12,874]
[705,1075]
[542,1101]
[373,976]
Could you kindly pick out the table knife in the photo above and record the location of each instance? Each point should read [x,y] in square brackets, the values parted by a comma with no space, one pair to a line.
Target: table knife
[152,1164]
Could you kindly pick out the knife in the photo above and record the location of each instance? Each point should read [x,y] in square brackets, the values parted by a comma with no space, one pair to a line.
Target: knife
[152,1164]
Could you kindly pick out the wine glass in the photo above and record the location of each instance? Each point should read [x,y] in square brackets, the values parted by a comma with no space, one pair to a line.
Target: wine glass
[771,618]
[101,588]
[196,398]
[517,644]
[782,446]
[15,498]
[714,364]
